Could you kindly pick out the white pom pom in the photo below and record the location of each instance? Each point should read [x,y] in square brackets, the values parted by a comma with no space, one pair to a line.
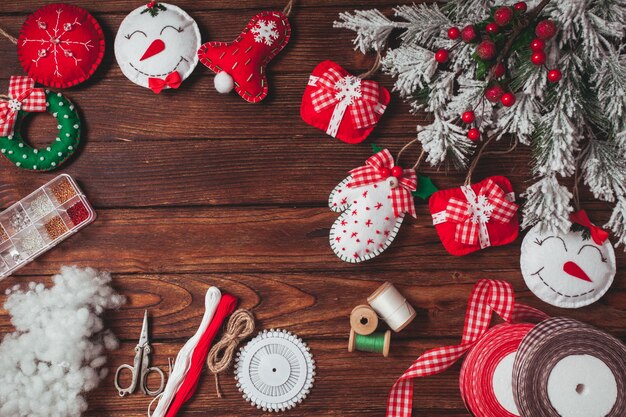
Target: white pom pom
[224,83]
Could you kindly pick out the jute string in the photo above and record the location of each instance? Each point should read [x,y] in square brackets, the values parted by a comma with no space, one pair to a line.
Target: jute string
[288,8]
[419,158]
[8,36]
[481,153]
[240,325]
[374,69]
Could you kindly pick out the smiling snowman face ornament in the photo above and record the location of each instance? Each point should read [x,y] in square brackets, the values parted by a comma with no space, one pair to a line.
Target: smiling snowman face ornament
[569,270]
[156,46]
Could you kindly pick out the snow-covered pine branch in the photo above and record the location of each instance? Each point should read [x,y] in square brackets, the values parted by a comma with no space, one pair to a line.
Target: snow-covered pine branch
[445,140]
[425,24]
[604,170]
[610,82]
[518,120]
[371,26]
[617,222]
[549,204]
[412,65]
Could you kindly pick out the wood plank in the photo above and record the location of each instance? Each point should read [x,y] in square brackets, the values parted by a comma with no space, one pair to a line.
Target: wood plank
[178,240]
[289,172]
[122,6]
[317,305]
[340,376]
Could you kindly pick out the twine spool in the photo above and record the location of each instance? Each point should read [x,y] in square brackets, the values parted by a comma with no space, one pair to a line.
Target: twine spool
[392,307]
[487,372]
[564,368]
[363,320]
[376,342]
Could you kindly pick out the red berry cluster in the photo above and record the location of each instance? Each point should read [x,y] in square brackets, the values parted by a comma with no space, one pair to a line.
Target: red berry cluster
[396,171]
[544,30]
[469,117]
[151,4]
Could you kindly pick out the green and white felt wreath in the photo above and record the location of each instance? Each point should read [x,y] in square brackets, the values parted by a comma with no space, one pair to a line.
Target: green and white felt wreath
[23,100]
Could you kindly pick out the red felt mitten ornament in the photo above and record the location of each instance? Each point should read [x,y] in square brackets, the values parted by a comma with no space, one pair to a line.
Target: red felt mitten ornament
[344,106]
[476,216]
[60,45]
[372,201]
[241,64]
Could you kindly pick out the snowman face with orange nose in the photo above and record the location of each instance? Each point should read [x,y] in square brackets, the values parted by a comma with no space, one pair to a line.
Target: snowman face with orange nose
[156,46]
[568,270]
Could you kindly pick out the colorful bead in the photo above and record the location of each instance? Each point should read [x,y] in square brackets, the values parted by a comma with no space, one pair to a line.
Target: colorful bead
[55,227]
[78,213]
[63,190]
[41,206]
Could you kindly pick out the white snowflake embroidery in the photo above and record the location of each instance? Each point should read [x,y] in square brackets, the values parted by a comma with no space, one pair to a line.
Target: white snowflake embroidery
[55,44]
[348,89]
[265,32]
[481,210]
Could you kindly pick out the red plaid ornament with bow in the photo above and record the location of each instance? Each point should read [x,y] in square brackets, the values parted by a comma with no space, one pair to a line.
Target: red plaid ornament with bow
[345,106]
[22,96]
[488,296]
[476,216]
[378,168]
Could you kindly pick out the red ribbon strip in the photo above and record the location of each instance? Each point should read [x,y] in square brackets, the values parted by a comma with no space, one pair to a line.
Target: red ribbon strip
[598,234]
[226,306]
[488,296]
[472,214]
[376,169]
[362,100]
[157,84]
[22,96]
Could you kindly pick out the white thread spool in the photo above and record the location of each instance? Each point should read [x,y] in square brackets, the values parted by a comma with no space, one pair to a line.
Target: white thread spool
[392,307]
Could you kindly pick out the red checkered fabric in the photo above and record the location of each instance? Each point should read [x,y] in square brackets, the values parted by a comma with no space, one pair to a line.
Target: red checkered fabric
[472,213]
[362,109]
[373,172]
[22,96]
[488,296]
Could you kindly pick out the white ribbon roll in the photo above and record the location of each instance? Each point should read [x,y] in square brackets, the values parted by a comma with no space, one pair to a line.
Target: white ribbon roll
[391,306]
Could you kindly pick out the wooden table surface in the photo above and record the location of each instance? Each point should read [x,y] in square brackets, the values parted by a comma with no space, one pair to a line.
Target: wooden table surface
[194,188]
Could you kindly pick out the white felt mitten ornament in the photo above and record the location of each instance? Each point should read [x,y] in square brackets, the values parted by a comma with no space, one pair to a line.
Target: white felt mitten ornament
[568,270]
[372,201]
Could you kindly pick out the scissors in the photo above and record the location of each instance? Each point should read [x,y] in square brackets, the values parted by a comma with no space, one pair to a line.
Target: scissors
[141,366]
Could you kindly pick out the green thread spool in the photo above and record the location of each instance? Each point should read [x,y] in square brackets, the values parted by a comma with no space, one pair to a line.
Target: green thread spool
[376,342]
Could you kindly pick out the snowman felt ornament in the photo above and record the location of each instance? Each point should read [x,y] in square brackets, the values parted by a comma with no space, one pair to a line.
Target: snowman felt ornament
[156,46]
[571,269]
[372,201]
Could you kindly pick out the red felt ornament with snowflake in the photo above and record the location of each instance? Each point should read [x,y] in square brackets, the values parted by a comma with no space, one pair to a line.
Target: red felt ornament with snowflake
[344,106]
[241,64]
[60,45]
[476,216]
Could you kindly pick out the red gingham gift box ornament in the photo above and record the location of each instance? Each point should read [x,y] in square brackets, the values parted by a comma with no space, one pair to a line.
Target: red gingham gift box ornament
[474,217]
[346,107]
[242,64]
[60,45]
[372,201]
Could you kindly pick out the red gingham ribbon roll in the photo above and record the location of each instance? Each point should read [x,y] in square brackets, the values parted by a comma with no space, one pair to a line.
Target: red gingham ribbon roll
[377,169]
[488,296]
[476,381]
[565,368]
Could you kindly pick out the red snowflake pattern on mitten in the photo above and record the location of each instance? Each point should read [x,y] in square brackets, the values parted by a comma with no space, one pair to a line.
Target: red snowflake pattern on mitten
[372,201]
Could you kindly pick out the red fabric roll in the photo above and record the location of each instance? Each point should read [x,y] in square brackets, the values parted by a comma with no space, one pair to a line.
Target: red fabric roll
[476,379]
[226,306]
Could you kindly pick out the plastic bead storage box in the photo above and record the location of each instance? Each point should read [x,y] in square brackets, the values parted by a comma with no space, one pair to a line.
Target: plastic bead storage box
[41,221]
